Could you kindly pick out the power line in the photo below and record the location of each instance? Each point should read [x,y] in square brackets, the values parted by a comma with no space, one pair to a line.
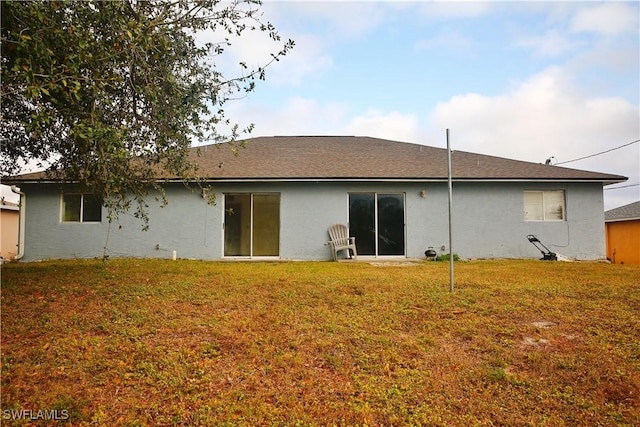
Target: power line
[623,186]
[597,154]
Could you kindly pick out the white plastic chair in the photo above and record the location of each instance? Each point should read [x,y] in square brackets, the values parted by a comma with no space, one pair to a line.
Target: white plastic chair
[340,241]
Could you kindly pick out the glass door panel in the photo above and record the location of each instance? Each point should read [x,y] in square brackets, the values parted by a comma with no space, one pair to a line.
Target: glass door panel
[390,224]
[362,224]
[237,225]
[377,223]
[266,224]
[252,225]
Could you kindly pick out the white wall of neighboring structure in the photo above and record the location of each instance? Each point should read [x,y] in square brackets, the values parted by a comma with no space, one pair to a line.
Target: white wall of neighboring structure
[488,221]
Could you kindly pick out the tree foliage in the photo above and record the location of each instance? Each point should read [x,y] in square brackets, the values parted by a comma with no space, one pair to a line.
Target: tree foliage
[111,94]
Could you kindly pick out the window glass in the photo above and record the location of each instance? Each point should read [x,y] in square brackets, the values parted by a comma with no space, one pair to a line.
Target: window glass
[554,205]
[544,205]
[81,208]
[91,208]
[71,207]
[533,206]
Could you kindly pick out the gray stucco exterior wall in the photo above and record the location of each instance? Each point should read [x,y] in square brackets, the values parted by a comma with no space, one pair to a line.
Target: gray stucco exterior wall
[488,221]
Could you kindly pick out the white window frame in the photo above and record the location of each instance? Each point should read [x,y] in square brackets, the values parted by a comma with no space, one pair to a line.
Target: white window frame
[539,205]
[81,218]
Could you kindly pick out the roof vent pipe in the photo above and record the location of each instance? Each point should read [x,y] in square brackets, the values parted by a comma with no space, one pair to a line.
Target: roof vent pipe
[21,212]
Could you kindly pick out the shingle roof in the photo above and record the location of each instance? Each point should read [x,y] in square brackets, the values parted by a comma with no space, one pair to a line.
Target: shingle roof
[626,212]
[307,158]
[349,157]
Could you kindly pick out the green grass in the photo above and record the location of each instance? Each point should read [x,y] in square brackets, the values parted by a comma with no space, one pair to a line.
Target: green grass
[154,342]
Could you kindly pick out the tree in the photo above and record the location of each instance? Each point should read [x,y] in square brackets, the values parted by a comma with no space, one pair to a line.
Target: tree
[111,94]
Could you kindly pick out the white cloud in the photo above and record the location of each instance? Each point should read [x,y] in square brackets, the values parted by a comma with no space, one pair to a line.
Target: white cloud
[393,125]
[336,20]
[617,58]
[254,48]
[298,116]
[607,18]
[541,117]
[324,24]
[552,43]
[437,10]
[306,116]
[307,59]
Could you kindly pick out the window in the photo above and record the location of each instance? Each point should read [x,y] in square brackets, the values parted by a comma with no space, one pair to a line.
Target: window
[544,206]
[81,208]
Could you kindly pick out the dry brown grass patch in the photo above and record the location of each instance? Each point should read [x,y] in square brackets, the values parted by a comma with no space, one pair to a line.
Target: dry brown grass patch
[150,342]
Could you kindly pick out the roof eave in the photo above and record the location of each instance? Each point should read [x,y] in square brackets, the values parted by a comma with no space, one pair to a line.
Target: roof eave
[346,179]
[401,179]
[622,219]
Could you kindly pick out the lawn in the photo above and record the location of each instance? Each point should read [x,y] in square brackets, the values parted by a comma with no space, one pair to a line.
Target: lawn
[156,342]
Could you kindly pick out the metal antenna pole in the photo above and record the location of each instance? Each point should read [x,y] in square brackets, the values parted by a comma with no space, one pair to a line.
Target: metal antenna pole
[451,279]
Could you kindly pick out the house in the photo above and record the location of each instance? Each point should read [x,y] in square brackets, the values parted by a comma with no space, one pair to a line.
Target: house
[9,217]
[622,227]
[278,196]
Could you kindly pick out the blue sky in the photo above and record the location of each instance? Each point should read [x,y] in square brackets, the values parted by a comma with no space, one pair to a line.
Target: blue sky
[523,80]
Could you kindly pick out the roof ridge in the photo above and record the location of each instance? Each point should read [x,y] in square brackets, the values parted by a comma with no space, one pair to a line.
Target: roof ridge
[363,157]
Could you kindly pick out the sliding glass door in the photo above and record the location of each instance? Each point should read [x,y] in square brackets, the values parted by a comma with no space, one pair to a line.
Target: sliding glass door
[376,220]
[252,225]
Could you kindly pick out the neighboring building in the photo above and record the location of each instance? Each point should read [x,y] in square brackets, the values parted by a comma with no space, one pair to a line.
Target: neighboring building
[278,196]
[9,220]
[622,227]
